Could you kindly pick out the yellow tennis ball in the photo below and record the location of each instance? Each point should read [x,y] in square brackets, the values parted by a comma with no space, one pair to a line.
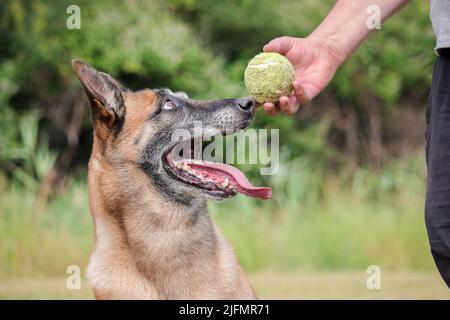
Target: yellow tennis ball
[269,76]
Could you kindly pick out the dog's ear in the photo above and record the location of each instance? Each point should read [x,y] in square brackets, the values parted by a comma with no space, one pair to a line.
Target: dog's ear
[104,93]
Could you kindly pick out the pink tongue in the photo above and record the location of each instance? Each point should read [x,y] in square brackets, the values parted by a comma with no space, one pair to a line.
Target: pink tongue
[237,179]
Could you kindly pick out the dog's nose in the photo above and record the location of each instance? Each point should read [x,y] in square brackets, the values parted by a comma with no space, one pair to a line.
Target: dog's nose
[246,104]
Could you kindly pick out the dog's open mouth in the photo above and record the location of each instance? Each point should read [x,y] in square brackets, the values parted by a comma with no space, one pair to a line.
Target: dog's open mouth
[216,178]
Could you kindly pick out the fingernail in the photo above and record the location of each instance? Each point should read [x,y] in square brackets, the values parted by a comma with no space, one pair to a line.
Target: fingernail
[271,46]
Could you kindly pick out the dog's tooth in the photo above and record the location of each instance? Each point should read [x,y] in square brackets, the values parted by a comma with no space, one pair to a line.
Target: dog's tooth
[225,183]
[195,173]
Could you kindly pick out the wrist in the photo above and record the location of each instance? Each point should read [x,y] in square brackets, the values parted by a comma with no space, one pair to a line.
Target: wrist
[329,46]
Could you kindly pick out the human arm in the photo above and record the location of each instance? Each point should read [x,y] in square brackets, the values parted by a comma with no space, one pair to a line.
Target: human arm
[317,57]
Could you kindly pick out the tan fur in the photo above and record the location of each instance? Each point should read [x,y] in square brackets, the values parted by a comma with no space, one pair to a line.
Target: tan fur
[147,247]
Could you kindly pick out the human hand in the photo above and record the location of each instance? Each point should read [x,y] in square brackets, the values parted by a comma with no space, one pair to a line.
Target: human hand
[314,66]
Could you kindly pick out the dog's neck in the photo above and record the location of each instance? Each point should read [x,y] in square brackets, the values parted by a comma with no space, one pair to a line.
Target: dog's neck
[148,247]
[138,209]
[140,232]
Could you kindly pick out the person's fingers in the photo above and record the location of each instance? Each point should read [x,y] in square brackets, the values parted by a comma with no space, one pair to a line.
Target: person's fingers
[272,46]
[289,105]
[270,108]
[293,104]
[300,93]
[281,45]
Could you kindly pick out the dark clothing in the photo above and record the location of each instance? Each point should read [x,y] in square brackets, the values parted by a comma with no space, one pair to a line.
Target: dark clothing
[437,203]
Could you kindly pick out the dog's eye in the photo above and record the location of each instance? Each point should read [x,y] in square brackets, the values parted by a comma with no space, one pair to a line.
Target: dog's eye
[169,105]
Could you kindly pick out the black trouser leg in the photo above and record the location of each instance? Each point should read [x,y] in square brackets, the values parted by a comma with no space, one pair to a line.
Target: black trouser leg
[437,204]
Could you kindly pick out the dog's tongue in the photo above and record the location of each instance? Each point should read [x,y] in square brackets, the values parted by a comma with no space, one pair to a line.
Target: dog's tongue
[236,178]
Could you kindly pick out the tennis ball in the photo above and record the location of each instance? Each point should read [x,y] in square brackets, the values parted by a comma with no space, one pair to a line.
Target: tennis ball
[269,76]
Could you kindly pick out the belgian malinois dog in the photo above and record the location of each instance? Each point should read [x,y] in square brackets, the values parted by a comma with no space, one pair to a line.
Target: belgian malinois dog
[154,238]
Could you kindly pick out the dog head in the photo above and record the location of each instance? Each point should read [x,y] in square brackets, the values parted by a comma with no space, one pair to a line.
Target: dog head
[142,130]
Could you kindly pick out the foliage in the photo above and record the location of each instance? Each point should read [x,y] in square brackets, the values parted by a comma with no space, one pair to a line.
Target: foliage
[197,46]
[315,221]
[26,160]
[321,218]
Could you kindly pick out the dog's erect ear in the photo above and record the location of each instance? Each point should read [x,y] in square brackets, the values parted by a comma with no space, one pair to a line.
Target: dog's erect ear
[104,93]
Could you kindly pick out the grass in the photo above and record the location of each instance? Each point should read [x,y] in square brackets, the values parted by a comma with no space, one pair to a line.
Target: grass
[347,285]
[34,243]
[333,222]
[320,231]
[271,284]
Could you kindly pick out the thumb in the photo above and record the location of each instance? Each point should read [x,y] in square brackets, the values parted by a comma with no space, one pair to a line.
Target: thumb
[281,45]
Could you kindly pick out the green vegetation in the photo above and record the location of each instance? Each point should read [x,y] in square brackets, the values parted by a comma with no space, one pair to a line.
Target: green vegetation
[314,222]
[330,222]
[351,184]
[271,284]
[202,48]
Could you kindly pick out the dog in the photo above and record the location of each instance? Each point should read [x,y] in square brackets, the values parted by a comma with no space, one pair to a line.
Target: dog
[154,238]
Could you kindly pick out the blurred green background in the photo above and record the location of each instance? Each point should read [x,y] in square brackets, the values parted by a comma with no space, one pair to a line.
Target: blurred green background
[350,191]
